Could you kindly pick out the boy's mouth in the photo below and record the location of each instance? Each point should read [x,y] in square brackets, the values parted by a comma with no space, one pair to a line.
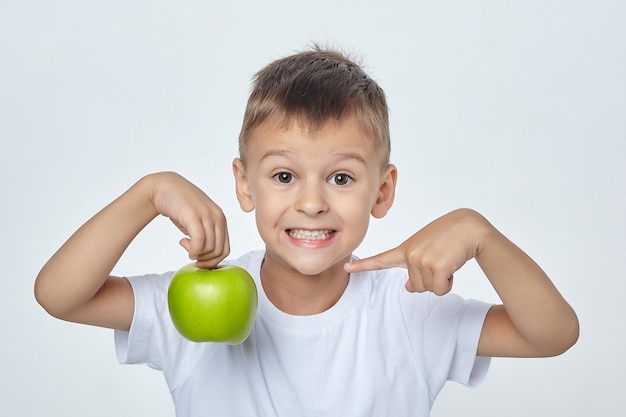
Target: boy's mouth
[302,234]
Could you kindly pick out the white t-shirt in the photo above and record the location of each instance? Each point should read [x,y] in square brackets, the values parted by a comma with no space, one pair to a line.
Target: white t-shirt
[380,351]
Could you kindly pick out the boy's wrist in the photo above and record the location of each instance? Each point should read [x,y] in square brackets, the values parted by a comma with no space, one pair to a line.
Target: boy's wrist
[483,232]
[145,191]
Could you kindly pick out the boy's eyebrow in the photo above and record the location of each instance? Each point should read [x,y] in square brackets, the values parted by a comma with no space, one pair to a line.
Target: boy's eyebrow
[278,152]
[288,153]
[350,155]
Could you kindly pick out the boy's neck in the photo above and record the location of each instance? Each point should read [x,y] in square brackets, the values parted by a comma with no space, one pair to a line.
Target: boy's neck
[301,295]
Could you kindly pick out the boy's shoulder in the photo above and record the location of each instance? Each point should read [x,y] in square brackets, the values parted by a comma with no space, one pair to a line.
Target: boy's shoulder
[250,261]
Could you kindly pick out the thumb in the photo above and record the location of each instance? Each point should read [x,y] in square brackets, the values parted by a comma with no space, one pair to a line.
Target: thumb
[388,259]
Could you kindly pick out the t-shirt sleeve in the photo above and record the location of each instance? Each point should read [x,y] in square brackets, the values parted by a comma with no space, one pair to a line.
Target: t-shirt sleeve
[467,368]
[152,339]
[444,332]
[138,345]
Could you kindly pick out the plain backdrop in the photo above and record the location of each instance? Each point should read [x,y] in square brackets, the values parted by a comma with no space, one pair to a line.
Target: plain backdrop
[514,108]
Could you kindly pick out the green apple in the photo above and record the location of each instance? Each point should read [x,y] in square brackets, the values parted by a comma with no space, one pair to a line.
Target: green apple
[213,305]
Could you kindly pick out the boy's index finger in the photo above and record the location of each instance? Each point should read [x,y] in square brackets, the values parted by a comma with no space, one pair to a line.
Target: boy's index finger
[388,259]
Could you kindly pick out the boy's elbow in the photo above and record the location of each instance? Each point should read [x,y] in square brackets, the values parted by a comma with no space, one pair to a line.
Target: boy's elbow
[565,337]
[46,299]
[41,296]
[552,340]
[573,334]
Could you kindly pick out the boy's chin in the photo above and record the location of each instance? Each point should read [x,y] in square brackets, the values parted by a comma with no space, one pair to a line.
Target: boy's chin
[314,271]
[316,267]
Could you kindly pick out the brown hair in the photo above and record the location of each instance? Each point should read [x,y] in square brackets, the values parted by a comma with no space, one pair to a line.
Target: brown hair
[313,88]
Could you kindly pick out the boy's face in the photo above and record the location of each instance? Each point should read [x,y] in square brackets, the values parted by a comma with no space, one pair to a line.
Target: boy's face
[313,194]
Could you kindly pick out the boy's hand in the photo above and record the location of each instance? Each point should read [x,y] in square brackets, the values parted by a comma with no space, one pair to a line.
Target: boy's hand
[76,283]
[433,254]
[534,320]
[196,215]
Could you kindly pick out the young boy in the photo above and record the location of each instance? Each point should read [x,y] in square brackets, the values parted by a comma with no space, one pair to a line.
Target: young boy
[334,335]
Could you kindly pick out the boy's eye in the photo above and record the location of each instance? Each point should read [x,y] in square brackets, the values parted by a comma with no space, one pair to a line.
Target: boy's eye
[284,177]
[340,179]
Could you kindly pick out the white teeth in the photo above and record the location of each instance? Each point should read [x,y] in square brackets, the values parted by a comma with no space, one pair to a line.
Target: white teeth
[310,234]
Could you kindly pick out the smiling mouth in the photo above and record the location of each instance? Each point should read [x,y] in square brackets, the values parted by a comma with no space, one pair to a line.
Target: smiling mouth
[302,234]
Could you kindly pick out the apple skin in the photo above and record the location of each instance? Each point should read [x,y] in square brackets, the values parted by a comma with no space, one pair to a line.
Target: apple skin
[213,305]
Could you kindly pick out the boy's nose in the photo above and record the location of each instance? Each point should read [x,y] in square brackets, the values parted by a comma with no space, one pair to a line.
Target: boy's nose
[311,200]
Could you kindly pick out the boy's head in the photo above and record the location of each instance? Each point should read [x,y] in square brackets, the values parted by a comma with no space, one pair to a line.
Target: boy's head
[313,88]
[317,164]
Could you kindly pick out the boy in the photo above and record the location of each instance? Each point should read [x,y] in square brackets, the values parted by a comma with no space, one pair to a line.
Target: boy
[334,335]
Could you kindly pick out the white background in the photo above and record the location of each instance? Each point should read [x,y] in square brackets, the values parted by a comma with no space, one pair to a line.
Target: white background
[514,108]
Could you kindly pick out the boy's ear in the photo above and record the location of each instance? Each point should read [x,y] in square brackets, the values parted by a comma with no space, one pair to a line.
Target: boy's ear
[241,186]
[386,192]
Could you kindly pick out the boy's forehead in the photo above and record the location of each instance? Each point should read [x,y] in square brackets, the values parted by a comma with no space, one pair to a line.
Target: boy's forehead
[281,127]
[284,137]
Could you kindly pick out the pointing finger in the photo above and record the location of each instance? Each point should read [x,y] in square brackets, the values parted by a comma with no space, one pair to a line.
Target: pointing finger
[388,259]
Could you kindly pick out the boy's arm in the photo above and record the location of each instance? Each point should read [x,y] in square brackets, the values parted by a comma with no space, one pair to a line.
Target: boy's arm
[75,284]
[534,319]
